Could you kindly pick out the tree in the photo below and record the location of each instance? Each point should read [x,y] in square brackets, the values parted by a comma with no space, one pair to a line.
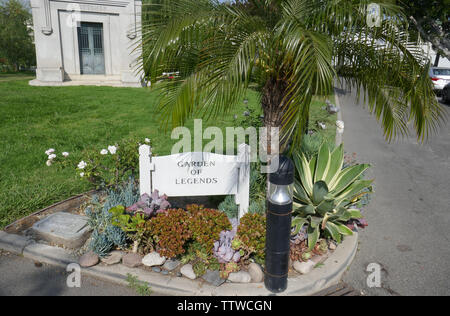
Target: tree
[16,42]
[293,50]
[430,18]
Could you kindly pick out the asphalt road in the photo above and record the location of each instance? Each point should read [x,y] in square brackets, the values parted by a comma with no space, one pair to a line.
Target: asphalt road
[409,215]
[21,277]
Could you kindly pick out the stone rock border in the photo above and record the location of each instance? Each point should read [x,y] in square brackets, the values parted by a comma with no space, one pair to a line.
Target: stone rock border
[320,278]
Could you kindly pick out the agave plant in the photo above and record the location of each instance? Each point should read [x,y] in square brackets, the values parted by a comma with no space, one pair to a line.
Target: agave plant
[325,194]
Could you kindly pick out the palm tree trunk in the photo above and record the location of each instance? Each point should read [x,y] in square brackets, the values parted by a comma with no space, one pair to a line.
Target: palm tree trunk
[272,102]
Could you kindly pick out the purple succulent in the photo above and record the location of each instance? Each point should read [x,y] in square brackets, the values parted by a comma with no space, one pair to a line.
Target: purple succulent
[222,248]
[300,237]
[150,205]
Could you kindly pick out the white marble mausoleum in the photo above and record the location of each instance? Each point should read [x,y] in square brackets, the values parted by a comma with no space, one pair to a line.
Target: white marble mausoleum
[87,42]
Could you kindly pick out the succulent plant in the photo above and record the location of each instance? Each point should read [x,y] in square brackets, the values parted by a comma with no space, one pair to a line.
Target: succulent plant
[306,255]
[301,236]
[150,205]
[223,249]
[229,268]
[325,194]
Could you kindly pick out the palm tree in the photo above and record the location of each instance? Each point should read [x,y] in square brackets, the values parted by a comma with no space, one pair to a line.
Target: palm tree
[292,50]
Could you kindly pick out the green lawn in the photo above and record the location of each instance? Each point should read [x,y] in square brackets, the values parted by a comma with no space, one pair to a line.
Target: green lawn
[317,113]
[71,119]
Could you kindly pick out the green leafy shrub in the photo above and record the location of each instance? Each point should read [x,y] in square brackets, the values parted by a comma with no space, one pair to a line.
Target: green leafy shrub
[325,194]
[135,226]
[110,166]
[104,167]
[251,237]
[206,224]
[170,231]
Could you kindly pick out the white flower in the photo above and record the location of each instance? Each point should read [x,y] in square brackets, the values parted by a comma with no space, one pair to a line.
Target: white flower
[65,154]
[82,165]
[147,140]
[82,174]
[49,151]
[49,163]
[51,157]
[104,152]
[112,149]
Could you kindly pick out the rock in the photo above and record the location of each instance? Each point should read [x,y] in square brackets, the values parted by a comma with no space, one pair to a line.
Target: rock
[165,272]
[156,269]
[171,265]
[89,259]
[179,274]
[153,259]
[113,258]
[332,109]
[255,272]
[213,277]
[132,260]
[321,125]
[240,277]
[332,246]
[188,272]
[304,267]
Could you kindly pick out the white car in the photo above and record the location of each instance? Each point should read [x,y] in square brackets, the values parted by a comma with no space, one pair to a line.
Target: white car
[440,77]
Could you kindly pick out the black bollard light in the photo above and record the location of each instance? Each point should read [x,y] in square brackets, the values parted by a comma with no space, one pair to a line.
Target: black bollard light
[278,226]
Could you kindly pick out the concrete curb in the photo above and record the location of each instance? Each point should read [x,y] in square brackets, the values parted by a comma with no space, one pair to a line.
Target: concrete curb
[317,280]
[13,243]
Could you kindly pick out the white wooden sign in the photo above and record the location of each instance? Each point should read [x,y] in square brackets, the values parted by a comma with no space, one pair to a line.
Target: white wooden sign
[197,174]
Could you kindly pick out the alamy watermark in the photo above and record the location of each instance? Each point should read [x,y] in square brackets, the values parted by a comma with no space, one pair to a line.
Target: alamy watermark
[74,278]
[374,278]
[259,140]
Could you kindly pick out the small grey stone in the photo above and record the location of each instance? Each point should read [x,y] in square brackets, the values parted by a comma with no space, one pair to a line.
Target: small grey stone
[165,272]
[188,271]
[255,272]
[156,269]
[171,265]
[89,259]
[213,277]
[304,267]
[240,277]
[132,260]
[153,259]
[332,246]
[179,274]
[113,258]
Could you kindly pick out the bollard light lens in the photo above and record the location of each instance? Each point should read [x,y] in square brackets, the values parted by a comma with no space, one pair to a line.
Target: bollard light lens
[280,194]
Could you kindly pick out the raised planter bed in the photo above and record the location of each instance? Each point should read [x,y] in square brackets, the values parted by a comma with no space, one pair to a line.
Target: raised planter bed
[328,273]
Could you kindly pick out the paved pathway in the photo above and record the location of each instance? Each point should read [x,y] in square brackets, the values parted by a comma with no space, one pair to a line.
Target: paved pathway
[20,276]
[409,216]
